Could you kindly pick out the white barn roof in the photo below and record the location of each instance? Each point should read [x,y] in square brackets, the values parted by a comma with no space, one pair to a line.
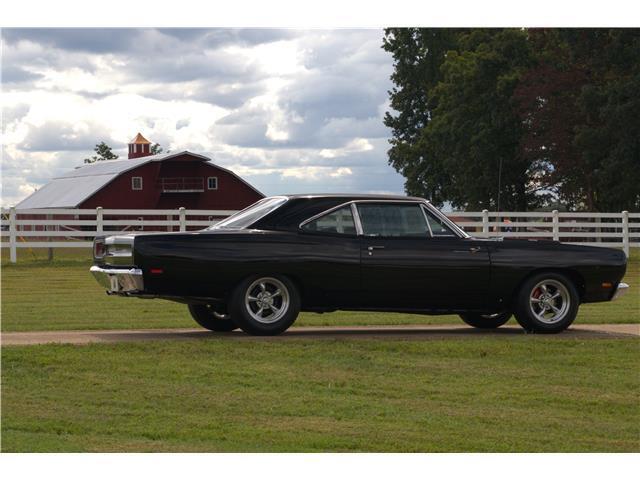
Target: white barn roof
[74,187]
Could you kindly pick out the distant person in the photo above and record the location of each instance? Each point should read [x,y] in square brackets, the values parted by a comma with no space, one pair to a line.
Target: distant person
[508,227]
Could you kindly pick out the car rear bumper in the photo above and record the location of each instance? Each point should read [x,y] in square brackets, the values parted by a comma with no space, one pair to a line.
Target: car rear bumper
[621,290]
[119,280]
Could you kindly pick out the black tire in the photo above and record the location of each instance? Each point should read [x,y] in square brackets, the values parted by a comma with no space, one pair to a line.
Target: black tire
[478,320]
[276,316]
[208,318]
[558,313]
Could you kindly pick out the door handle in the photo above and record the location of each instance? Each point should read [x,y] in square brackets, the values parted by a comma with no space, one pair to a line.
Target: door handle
[371,248]
[475,249]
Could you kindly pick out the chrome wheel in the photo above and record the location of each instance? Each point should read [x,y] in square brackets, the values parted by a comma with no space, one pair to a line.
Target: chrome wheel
[267,300]
[549,301]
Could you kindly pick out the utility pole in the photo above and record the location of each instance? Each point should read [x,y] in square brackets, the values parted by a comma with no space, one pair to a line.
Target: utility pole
[499,182]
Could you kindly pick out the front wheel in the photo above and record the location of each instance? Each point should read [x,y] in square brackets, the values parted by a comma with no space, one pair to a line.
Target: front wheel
[207,317]
[493,320]
[547,303]
[265,305]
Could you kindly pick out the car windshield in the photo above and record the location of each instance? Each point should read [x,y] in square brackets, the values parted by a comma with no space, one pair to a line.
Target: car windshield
[250,215]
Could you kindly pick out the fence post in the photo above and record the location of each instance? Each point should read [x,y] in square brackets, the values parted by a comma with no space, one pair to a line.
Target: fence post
[183,219]
[49,227]
[485,223]
[625,232]
[556,225]
[13,257]
[99,223]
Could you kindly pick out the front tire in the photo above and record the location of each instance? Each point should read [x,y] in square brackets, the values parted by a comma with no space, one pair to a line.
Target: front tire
[265,305]
[488,321]
[547,303]
[207,317]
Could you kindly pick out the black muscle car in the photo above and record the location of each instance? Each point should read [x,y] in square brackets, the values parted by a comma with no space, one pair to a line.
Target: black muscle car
[257,269]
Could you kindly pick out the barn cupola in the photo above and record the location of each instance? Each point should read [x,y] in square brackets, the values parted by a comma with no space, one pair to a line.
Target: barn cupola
[139,147]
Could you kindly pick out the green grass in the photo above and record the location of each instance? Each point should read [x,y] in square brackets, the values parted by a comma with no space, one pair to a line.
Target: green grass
[541,394]
[62,295]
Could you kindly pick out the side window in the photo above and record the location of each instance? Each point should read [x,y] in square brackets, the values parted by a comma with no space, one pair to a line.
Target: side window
[136,183]
[212,183]
[438,228]
[392,220]
[339,221]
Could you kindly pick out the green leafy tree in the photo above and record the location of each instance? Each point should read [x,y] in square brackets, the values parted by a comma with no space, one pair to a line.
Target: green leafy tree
[156,149]
[517,118]
[418,54]
[103,152]
[582,115]
[467,150]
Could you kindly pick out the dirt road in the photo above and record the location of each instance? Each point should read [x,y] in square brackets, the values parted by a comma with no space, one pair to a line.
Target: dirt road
[400,332]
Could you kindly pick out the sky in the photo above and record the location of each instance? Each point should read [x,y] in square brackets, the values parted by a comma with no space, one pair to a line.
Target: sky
[291,111]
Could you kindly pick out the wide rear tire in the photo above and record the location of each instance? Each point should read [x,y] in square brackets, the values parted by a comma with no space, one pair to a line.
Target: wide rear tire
[265,304]
[208,318]
[489,321]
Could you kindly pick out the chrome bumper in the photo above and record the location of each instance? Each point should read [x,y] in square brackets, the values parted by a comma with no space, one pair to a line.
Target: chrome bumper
[119,280]
[621,290]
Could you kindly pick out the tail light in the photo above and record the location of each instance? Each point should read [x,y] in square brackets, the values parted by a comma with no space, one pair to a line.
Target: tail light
[99,248]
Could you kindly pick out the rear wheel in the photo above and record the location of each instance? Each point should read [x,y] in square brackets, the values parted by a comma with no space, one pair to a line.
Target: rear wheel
[209,318]
[547,303]
[493,320]
[265,305]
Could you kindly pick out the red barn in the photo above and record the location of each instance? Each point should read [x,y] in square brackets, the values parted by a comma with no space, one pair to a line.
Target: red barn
[145,181]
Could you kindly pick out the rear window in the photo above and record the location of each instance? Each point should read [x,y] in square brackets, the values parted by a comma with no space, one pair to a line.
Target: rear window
[251,214]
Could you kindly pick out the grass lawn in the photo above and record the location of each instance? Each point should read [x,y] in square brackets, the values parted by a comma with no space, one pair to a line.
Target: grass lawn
[531,393]
[62,295]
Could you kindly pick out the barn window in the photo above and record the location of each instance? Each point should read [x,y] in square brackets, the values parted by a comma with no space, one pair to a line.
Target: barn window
[212,183]
[136,183]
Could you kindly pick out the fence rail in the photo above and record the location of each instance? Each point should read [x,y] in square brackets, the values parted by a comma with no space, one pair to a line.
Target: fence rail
[76,228]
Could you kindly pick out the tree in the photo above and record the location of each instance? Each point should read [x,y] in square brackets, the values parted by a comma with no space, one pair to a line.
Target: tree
[103,151]
[418,54]
[465,148]
[553,112]
[156,149]
[582,115]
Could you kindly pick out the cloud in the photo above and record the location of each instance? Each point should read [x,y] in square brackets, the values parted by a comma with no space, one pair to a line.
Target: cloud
[95,40]
[292,110]
[13,74]
[13,113]
[57,136]
[228,36]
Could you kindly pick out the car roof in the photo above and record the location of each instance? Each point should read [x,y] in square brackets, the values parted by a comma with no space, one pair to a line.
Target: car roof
[353,196]
[300,207]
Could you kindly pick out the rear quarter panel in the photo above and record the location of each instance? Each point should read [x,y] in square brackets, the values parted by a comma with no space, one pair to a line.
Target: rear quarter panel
[209,264]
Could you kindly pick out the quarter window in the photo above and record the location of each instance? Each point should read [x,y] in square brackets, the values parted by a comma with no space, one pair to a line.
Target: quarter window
[339,221]
[437,226]
[212,183]
[393,220]
[136,183]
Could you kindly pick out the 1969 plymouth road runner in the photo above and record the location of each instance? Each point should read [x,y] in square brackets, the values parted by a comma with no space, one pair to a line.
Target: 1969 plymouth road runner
[257,269]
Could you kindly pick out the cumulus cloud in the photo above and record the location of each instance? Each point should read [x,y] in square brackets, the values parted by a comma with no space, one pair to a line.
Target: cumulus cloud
[58,136]
[291,110]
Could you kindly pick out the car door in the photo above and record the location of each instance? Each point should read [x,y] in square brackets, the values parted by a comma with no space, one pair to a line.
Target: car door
[328,250]
[411,260]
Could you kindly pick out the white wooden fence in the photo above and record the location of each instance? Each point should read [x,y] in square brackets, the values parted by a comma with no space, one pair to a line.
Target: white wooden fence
[65,228]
